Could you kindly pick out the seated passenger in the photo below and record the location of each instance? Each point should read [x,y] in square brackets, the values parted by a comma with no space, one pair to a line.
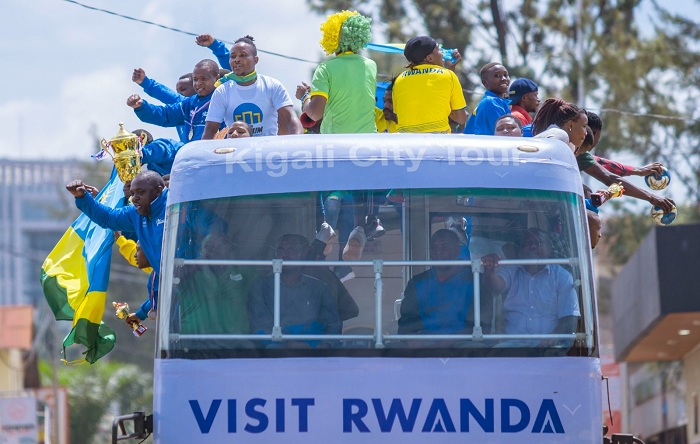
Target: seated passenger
[307,305]
[214,298]
[439,300]
[540,299]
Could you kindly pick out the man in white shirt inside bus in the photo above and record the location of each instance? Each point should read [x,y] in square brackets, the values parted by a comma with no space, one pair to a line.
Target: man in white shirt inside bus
[540,299]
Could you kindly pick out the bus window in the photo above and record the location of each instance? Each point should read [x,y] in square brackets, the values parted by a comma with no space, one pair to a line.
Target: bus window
[232,253]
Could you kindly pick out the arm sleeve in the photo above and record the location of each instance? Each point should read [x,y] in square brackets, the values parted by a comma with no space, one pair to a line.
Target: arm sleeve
[280,97]
[328,316]
[320,86]
[260,313]
[491,115]
[142,312]
[160,92]
[614,167]
[160,151]
[567,301]
[217,107]
[410,321]
[104,216]
[127,248]
[167,115]
[221,53]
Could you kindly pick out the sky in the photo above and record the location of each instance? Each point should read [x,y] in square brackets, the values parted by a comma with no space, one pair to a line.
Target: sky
[68,69]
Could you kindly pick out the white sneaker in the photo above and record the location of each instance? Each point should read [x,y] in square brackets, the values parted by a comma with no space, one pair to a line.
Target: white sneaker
[328,236]
[356,244]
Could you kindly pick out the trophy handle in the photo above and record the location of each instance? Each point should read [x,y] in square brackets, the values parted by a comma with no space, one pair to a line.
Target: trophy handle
[106,146]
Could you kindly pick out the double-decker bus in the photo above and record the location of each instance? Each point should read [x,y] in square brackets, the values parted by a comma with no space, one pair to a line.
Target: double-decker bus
[223,376]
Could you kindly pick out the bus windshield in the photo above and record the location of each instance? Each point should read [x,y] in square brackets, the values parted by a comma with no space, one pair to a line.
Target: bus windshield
[409,272]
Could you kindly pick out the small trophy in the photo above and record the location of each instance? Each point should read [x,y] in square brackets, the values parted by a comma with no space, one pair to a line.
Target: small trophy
[615,190]
[125,150]
[123,313]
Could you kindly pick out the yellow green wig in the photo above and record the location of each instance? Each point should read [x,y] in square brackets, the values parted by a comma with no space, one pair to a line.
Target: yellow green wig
[345,31]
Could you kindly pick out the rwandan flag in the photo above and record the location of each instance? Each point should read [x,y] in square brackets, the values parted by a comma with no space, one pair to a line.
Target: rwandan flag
[75,274]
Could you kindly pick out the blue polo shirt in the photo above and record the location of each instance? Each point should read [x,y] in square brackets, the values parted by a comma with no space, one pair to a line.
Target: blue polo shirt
[483,119]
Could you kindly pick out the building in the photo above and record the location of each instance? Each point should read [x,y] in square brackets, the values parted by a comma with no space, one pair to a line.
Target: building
[656,322]
[35,211]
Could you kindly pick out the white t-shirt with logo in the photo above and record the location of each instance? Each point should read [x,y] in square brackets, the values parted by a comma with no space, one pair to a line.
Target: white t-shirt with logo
[255,104]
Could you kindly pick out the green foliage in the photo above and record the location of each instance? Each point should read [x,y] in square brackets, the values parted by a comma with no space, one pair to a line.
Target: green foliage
[640,62]
[96,392]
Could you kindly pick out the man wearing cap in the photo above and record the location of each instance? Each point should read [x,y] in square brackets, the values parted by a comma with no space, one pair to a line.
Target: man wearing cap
[523,99]
[428,94]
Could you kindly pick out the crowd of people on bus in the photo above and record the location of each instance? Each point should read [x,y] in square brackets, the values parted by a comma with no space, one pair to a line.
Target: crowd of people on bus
[230,99]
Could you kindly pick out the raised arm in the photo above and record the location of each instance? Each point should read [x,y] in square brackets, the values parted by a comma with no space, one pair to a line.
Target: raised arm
[166,115]
[102,215]
[218,48]
[608,178]
[155,89]
[493,280]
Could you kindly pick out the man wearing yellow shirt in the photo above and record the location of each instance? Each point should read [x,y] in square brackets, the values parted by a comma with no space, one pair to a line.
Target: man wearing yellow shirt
[428,94]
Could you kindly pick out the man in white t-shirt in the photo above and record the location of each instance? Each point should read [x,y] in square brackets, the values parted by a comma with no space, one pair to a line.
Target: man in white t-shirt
[258,100]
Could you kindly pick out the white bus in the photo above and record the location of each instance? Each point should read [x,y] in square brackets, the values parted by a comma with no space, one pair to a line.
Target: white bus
[222,376]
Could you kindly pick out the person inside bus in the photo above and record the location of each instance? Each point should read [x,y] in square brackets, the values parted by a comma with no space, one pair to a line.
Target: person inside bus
[539,299]
[439,300]
[214,299]
[307,305]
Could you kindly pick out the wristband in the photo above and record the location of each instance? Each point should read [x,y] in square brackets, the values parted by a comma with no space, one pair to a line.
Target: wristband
[304,98]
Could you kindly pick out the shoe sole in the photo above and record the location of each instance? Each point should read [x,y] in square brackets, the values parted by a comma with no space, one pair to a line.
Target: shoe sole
[353,250]
[329,244]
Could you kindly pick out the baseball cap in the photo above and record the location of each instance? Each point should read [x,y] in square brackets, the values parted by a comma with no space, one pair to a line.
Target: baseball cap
[418,48]
[519,88]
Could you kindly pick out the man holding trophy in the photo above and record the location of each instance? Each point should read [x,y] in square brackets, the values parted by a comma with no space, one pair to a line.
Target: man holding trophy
[146,217]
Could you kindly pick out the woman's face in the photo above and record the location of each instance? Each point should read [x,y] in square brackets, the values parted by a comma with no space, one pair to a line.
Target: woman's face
[577,129]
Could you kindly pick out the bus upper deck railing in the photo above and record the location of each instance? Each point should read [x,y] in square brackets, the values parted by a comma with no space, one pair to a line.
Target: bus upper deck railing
[379,337]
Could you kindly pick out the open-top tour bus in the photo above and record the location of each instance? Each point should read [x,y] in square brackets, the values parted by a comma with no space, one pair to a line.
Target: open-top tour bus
[366,381]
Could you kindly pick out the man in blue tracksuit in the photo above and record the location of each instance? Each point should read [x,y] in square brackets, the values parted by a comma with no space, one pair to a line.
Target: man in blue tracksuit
[146,217]
[158,154]
[190,112]
[183,89]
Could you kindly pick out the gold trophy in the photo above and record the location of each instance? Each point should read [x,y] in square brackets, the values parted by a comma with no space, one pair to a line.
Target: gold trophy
[615,190]
[125,150]
[123,313]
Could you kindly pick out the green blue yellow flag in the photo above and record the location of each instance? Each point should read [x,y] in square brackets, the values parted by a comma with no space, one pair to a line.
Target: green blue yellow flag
[75,275]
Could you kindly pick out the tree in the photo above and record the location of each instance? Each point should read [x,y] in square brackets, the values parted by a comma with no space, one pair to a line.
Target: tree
[635,56]
[95,392]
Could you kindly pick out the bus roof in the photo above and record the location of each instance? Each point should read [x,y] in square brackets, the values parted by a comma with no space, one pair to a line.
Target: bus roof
[264,165]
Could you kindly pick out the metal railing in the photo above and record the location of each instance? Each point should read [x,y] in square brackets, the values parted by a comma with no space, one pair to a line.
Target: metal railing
[379,337]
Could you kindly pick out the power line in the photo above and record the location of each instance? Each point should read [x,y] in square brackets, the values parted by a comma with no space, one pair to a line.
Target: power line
[650,115]
[169,28]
